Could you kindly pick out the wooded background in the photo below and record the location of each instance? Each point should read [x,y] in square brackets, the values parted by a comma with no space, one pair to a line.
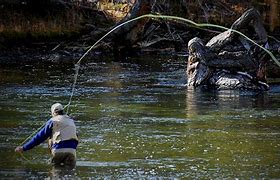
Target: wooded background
[39,19]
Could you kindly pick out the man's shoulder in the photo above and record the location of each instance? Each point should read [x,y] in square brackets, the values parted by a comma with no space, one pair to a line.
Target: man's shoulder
[49,122]
[61,118]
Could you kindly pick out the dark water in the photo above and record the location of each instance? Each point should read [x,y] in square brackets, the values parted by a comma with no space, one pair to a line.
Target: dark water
[137,120]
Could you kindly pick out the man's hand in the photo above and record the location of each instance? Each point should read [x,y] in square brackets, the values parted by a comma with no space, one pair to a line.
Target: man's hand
[19,149]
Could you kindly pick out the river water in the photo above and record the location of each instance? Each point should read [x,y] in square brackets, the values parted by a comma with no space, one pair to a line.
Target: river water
[137,120]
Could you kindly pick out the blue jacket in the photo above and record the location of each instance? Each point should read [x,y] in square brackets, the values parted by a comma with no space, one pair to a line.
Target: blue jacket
[45,133]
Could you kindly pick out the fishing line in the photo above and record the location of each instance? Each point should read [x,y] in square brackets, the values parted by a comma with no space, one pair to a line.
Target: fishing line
[203,25]
[187,21]
[77,65]
[23,142]
[23,157]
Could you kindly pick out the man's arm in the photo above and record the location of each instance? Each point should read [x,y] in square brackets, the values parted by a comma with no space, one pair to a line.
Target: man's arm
[40,137]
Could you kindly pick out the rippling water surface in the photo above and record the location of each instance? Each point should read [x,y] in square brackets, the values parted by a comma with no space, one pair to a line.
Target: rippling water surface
[137,120]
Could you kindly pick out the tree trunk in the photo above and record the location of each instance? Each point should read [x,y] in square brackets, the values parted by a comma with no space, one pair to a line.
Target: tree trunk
[126,37]
[130,33]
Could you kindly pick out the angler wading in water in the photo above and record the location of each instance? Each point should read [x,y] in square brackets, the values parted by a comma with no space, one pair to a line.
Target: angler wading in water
[63,140]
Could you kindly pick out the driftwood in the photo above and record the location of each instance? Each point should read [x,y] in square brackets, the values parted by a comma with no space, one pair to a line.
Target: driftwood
[211,65]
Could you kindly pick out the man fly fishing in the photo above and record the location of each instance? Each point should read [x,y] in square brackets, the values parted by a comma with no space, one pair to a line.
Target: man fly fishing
[63,140]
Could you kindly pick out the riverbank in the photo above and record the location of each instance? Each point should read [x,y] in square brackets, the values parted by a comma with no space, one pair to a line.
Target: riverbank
[56,34]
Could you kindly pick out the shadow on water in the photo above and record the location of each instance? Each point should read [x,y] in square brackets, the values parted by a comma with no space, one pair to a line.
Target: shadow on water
[137,120]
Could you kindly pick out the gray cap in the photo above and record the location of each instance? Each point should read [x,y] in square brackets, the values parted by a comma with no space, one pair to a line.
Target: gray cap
[56,107]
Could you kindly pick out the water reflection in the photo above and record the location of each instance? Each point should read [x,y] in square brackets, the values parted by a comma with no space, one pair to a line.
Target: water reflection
[201,101]
[62,173]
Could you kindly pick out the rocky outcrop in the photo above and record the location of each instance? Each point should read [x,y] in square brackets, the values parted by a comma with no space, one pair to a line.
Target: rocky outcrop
[214,66]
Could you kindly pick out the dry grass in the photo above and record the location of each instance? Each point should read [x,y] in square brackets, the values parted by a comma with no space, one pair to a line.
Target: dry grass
[19,23]
[115,11]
